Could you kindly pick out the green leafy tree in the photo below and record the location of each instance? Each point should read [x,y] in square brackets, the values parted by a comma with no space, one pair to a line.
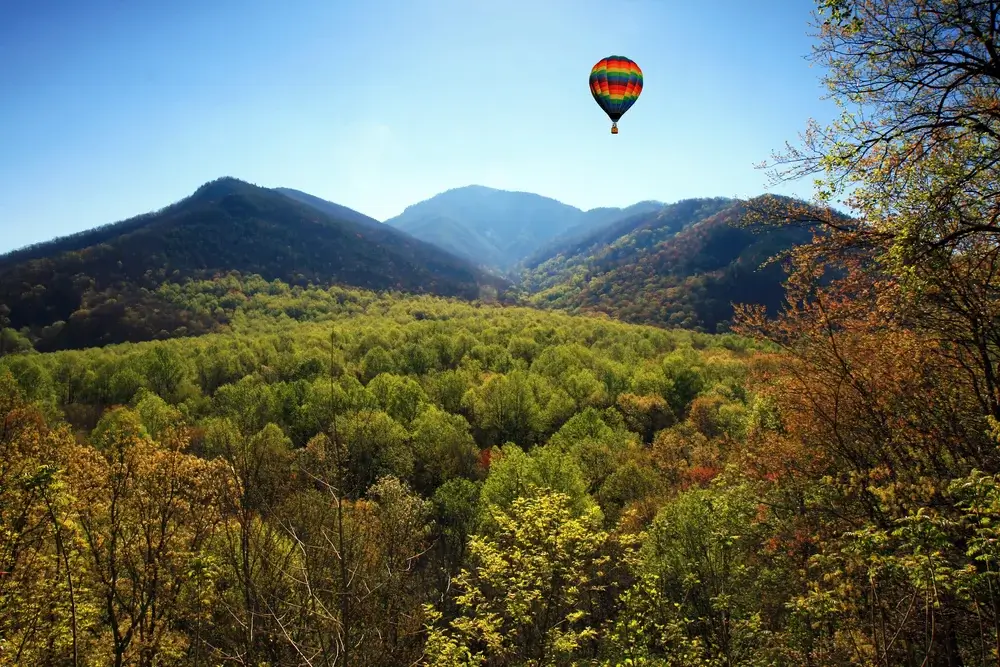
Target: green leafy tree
[443,448]
[506,409]
[456,508]
[165,372]
[697,577]
[527,597]
[156,415]
[399,396]
[378,446]
[515,474]
[376,360]
[250,404]
[447,389]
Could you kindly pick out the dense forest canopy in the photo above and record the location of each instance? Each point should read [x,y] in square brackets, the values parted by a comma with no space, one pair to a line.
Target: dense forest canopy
[340,476]
[335,430]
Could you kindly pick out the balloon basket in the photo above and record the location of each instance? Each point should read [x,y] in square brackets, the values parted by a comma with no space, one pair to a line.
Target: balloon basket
[614,128]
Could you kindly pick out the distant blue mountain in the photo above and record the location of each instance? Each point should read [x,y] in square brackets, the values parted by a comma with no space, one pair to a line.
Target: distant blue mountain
[498,228]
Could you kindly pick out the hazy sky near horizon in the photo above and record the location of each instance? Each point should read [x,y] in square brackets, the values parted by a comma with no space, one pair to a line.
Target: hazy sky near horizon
[111,108]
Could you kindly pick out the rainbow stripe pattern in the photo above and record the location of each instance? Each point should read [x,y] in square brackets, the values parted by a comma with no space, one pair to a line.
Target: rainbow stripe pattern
[615,82]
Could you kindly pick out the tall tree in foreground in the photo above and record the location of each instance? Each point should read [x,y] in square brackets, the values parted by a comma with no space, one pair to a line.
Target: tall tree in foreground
[42,610]
[915,155]
[889,382]
[146,511]
[530,595]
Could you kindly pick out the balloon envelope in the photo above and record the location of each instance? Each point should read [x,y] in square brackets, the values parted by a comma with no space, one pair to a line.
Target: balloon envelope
[615,82]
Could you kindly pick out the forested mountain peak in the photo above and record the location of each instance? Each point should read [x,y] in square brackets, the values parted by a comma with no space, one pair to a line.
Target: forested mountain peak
[60,290]
[214,190]
[223,186]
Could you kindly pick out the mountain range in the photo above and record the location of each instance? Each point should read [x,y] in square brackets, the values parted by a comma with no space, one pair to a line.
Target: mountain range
[679,264]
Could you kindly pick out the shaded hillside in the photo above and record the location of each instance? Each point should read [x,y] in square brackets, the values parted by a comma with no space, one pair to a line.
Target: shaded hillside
[683,266]
[645,225]
[334,210]
[458,238]
[593,221]
[497,228]
[96,287]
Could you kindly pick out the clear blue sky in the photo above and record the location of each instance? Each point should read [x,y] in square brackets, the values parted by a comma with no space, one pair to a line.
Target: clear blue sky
[110,108]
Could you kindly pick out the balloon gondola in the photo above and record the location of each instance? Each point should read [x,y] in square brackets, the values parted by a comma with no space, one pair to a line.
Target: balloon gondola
[615,83]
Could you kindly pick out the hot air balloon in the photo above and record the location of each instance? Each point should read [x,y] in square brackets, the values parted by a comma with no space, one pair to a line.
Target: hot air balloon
[615,83]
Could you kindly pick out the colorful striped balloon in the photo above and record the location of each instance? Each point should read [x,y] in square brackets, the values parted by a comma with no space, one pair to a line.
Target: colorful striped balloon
[615,82]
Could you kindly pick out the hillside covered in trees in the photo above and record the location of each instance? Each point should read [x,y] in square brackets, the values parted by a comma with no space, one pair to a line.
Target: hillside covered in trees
[335,211]
[684,264]
[95,287]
